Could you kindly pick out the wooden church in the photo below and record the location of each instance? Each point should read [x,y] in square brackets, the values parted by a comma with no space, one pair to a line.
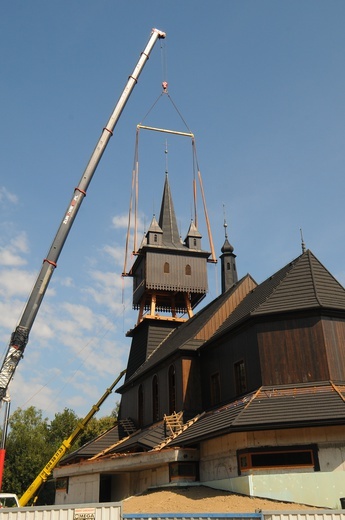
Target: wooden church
[245,395]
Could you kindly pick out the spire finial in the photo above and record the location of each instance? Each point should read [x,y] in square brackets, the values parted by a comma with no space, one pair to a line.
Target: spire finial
[166,157]
[302,242]
[225,224]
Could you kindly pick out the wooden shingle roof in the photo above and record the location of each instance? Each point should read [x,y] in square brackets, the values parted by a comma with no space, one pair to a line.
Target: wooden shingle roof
[303,284]
[298,405]
[93,447]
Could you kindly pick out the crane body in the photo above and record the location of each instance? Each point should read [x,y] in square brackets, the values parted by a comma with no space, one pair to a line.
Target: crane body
[20,335]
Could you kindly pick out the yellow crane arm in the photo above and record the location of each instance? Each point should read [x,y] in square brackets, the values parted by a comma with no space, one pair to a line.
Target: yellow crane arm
[66,444]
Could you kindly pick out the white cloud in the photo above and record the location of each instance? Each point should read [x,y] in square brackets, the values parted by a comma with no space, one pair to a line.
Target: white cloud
[10,254]
[120,221]
[15,282]
[116,253]
[6,196]
[8,258]
[67,281]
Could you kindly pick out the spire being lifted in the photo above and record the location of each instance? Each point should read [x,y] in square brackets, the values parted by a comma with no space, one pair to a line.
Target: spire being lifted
[167,218]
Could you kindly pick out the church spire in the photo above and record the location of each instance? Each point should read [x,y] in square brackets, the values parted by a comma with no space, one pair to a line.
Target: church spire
[167,218]
[228,262]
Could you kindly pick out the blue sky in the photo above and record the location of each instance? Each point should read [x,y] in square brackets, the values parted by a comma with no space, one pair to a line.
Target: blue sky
[260,83]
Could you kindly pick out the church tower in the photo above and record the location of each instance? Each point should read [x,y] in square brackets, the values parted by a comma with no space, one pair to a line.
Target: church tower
[228,263]
[169,280]
[169,275]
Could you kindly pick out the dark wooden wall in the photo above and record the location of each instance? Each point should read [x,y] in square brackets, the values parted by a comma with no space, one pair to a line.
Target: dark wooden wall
[281,351]
[334,334]
[222,357]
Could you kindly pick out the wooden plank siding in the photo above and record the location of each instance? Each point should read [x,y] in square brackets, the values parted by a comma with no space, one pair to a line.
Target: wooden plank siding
[292,351]
[148,335]
[334,334]
[176,279]
[221,359]
[244,287]
[191,387]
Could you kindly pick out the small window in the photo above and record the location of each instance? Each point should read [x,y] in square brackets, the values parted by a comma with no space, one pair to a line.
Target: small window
[172,389]
[215,389]
[188,270]
[155,403]
[62,484]
[194,242]
[166,268]
[240,377]
[140,406]
[183,471]
[228,266]
[155,238]
[282,457]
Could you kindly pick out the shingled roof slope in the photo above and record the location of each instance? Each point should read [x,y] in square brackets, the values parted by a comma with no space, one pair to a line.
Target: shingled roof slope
[145,439]
[299,405]
[95,446]
[302,284]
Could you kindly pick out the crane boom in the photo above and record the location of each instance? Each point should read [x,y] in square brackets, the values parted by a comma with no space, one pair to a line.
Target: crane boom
[20,335]
[66,444]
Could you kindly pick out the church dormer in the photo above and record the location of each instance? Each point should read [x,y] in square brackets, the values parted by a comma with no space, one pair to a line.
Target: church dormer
[154,234]
[193,238]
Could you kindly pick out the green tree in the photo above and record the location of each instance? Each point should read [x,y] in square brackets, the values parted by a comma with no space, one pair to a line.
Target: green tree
[61,427]
[27,449]
[32,441]
[94,428]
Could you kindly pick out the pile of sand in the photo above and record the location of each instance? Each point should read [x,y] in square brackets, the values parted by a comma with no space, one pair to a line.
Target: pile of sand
[201,499]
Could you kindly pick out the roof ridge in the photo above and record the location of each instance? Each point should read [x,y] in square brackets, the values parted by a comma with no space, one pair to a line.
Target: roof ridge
[316,292]
[276,287]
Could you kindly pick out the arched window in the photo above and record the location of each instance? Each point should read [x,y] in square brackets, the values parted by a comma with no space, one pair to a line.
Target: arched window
[188,269]
[172,389]
[140,406]
[194,242]
[155,238]
[155,403]
[166,267]
[228,266]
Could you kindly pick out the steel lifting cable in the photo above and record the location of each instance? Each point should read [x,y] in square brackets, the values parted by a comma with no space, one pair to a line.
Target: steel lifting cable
[135,171]
[213,255]
[134,189]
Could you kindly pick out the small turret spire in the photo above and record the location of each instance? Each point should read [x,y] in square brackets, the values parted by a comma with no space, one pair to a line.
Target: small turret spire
[228,260]
[302,242]
[166,157]
[225,224]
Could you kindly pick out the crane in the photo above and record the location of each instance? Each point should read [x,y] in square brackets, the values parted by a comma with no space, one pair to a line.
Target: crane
[66,444]
[20,335]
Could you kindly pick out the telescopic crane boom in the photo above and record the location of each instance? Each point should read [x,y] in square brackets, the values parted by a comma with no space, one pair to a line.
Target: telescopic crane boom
[20,336]
[66,444]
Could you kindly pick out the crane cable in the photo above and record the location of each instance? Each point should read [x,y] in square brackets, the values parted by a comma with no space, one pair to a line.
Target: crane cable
[135,171]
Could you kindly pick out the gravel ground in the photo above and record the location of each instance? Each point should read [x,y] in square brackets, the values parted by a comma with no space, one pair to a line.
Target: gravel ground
[201,499]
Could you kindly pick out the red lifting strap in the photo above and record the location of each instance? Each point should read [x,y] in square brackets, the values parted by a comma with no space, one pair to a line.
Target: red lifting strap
[50,262]
[81,191]
[108,130]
